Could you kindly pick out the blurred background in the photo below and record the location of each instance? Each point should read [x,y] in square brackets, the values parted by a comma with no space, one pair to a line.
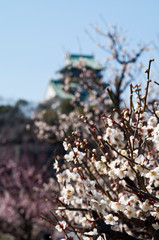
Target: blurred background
[47,48]
[36,35]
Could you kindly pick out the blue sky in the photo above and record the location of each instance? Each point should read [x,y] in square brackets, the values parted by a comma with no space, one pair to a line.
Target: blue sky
[36,34]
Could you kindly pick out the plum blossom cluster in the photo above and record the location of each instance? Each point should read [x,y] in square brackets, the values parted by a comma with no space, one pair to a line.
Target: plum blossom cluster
[92,108]
[111,191]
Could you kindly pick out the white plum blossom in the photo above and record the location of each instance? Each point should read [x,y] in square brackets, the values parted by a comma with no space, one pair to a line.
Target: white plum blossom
[68,191]
[61,225]
[101,167]
[118,172]
[110,122]
[103,159]
[56,166]
[130,212]
[74,155]
[116,206]
[153,174]
[145,206]
[66,145]
[89,185]
[110,219]
[152,122]
[114,136]
[65,176]
[140,159]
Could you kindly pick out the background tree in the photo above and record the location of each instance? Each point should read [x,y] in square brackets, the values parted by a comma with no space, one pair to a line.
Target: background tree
[25,168]
[122,63]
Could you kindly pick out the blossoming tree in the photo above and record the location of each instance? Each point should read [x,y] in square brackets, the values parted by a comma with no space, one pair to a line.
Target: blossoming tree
[23,195]
[25,183]
[121,67]
[112,191]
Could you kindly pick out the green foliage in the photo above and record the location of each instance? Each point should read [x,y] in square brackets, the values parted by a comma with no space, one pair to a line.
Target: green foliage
[66,107]
[21,102]
[5,108]
[50,117]
[80,110]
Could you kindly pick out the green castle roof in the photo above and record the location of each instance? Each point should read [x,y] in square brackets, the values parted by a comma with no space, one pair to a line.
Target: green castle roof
[74,61]
[58,87]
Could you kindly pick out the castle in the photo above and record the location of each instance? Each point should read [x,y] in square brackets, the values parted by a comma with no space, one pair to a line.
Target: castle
[76,68]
